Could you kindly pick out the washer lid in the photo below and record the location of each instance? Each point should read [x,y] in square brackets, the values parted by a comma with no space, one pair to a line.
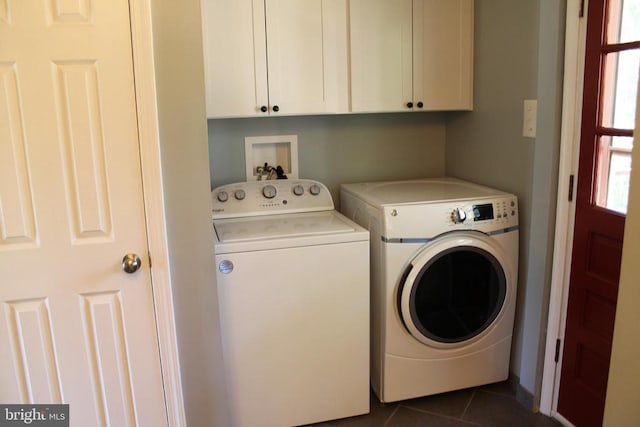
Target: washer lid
[420,191]
[280,226]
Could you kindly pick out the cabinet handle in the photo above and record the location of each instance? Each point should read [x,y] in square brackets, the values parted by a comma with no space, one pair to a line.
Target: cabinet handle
[276,108]
[409,104]
[263,108]
[420,104]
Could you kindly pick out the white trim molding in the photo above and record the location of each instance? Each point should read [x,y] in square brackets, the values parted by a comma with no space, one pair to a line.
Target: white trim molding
[565,214]
[144,74]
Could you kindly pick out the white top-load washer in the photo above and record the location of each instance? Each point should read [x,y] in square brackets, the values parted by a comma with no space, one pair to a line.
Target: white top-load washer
[293,293]
[444,262]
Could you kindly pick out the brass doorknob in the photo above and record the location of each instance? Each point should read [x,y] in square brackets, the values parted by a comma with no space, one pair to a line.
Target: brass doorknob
[131,263]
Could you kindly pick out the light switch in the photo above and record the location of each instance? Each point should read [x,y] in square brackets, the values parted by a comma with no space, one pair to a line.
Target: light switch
[530,118]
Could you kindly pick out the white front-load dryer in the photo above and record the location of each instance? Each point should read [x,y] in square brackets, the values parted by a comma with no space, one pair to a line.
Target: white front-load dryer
[444,261]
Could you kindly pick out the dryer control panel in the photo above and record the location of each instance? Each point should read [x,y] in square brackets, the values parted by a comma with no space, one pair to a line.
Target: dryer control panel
[488,215]
[270,197]
[495,210]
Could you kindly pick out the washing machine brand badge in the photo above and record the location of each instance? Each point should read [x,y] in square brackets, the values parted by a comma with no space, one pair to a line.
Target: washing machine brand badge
[226,267]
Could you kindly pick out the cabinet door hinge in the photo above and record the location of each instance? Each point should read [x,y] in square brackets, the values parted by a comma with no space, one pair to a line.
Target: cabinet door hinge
[581,13]
[557,356]
[571,188]
[149,261]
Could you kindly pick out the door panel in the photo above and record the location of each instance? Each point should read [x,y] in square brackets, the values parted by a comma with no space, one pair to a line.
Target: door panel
[598,231]
[74,327]
[17,218]
[32,347]
[83,156]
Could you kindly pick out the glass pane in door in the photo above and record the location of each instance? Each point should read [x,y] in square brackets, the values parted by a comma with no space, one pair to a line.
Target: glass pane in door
[623,25]
[618,190]
[620,87]
[617,104]
[614,169]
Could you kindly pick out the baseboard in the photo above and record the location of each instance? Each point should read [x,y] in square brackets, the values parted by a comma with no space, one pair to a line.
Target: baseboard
[523,396]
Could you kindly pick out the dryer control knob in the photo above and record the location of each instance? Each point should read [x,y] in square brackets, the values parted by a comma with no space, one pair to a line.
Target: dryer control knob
[458,216]
[240,194]
[298,190]
[314,189]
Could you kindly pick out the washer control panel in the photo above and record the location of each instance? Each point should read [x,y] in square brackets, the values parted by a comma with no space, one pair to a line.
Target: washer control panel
[264,197]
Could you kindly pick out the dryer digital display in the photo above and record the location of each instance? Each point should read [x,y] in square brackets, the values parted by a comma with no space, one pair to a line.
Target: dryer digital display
[482,212]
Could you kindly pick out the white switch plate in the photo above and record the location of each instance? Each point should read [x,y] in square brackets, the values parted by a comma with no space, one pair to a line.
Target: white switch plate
[530,118]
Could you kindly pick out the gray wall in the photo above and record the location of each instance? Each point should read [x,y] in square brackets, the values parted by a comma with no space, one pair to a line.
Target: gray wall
[518,56]
[338,149]
[487,146]
[551,30]
[185,171]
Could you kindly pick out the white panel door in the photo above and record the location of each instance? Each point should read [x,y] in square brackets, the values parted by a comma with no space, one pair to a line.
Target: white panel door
[381,55]
[235,58]
[74,327]
[307,56]
[443,54]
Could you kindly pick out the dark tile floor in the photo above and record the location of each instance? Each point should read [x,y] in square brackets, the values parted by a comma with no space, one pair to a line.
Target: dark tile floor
[492,405]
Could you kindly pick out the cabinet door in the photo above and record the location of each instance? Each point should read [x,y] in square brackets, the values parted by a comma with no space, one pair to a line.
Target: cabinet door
[381,55]
[443,54]
[307,56]
[235,57]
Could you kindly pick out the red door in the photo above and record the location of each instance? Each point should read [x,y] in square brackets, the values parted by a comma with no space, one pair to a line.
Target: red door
[611,62]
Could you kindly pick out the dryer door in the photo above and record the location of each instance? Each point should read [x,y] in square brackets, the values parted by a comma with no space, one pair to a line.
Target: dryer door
[454,290]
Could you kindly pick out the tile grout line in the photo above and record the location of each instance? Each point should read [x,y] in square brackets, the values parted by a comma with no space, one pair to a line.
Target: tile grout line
[475,390]
[391,416]
[439,415]
[499,393]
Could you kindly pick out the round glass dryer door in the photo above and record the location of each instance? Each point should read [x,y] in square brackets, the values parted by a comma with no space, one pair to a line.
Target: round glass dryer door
[453,291]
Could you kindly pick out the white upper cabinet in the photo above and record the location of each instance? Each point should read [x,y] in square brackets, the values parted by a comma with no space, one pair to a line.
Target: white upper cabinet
[381,55]
[275,57]
[443,54]
[235,53]
[411,55]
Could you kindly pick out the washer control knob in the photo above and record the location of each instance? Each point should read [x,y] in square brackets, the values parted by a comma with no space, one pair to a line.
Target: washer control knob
[298,190]
[239,194]
[458,216]
[269,191]
[223,196]
[314,189]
